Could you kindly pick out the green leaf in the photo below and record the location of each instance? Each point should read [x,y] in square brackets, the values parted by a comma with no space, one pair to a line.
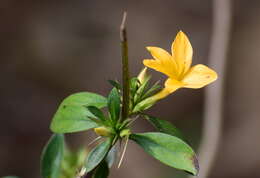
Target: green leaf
[96,155]
[97,112]
[72,114]
[102,171]
[114,104]
[115,84]
[111,156]
[73,160]
[165,127]
[52,157]
[168,149]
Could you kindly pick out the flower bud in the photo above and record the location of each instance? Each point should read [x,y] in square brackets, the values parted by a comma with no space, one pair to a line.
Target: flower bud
[103,131]
[142,76]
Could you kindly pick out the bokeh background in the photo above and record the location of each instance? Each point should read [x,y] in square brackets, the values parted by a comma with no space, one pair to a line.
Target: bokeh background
[51,49]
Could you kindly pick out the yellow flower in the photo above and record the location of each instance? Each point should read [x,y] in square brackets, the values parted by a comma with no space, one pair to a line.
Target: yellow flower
[178,67]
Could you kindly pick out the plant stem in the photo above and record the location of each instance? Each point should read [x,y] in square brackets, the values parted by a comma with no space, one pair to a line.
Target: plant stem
[125,68]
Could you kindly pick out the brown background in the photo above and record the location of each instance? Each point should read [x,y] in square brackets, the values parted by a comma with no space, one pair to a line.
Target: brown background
[49,50]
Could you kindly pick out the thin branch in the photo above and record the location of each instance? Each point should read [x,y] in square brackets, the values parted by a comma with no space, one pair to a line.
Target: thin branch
[123,153]
[132,121]
[93,141]
[212,124]
[125,67]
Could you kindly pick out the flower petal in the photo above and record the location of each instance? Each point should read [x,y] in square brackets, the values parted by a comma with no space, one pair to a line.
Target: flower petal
[159,53]
[199,76]
[163,62]
[160,95]
[171,85]
[182,52]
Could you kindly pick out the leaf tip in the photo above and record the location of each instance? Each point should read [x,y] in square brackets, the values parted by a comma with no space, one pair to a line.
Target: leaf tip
[195,162]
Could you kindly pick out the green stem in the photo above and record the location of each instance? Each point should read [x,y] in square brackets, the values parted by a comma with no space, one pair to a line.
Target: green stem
[125,68]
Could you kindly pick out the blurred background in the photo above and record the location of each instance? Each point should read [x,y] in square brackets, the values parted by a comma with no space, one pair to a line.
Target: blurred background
[51,49]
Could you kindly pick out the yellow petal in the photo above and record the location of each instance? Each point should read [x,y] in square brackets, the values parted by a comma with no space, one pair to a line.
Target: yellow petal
[159,66]
[199,76]
[163,62]
[171,84]
[182,52]
[159,53]
[160,95]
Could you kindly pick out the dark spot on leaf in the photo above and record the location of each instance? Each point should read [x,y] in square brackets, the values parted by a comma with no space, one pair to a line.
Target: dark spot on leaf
[64,106]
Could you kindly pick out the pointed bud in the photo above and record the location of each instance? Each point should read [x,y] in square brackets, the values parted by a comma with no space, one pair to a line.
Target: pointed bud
[142,75]
[103,131]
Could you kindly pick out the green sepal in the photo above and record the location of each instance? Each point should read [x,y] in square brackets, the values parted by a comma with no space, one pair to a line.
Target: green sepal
[154,89]
[134,83]
[97,154]
[168,149]
[114,104]
[73,115]
[141,90]
[165,127]
[52,157]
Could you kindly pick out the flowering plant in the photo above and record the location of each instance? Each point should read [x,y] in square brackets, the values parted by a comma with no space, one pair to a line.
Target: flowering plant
[124,104]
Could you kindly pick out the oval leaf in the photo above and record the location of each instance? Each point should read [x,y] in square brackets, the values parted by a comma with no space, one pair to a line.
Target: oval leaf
[52,157]
[73,115]
[168,149]
[102,171]
[96,155]
[111,156]
[114,104]
[165,127]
